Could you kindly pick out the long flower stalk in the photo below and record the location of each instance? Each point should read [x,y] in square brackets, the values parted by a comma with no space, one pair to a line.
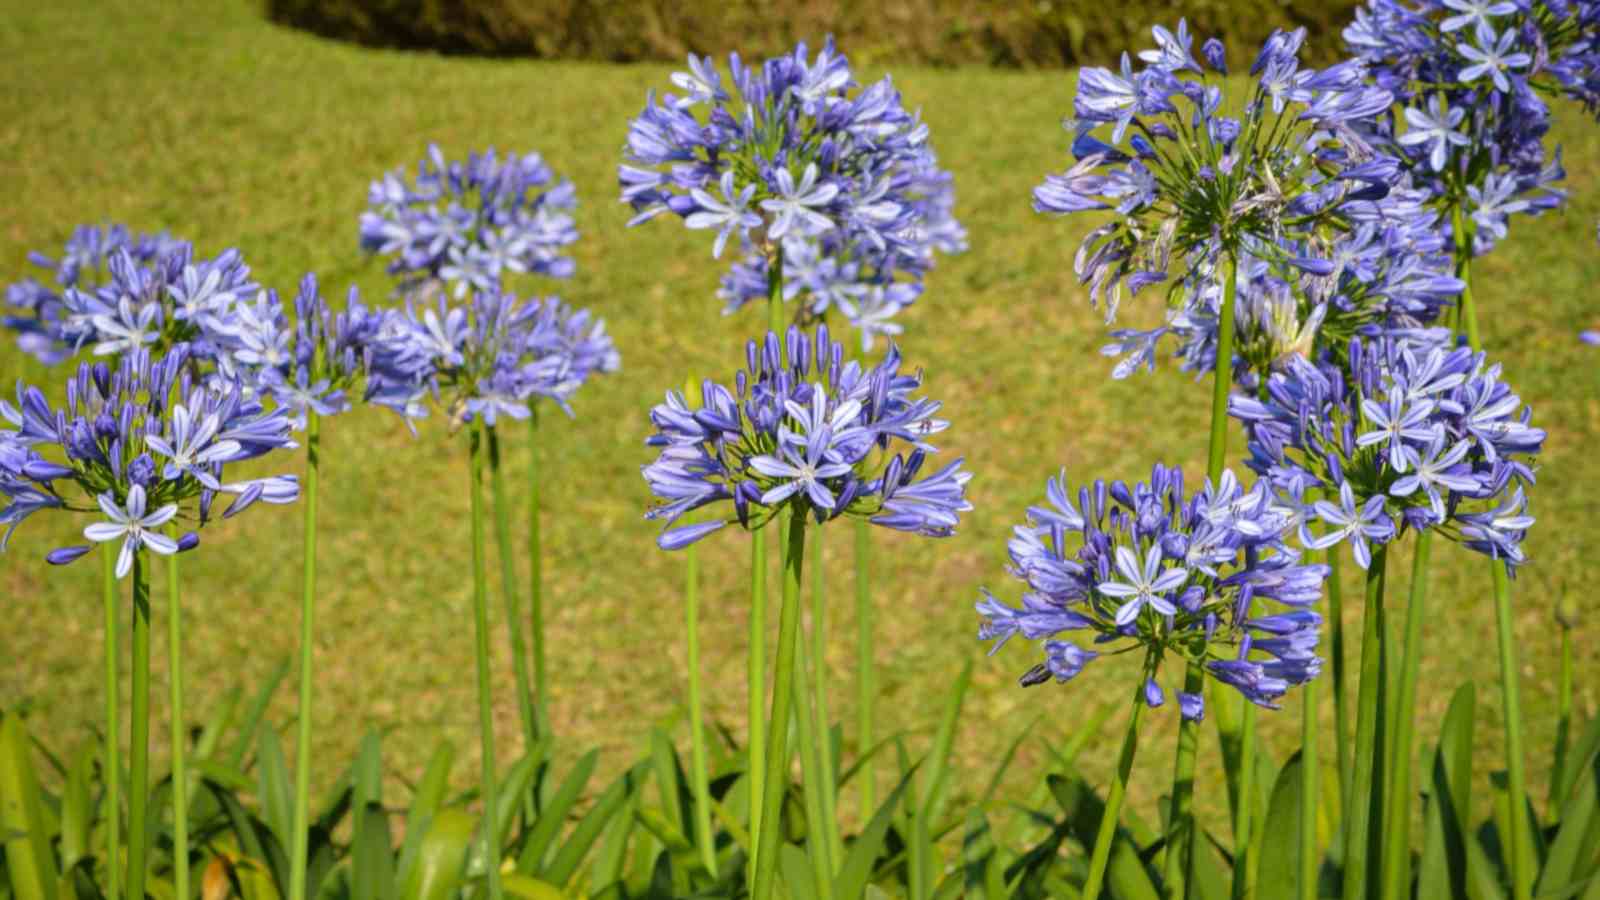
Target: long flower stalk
[1364,805]
[1341,722]
[757,683]
[819,847]
[112,776]
[1522,862]
[308,593]
[782,702]
[1309,860]
[180,772]
[480,617]
[508,587]
[139,734]
[697,737]
[1100,857]
[827,785]
[866,677]
[541,688]
[1180,839]
[1397,828]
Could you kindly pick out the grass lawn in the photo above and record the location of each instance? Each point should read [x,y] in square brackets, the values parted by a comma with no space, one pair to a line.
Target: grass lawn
[201,118]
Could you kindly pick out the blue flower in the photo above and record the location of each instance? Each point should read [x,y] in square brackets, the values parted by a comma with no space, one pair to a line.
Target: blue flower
[1493,58]
[802,429]
[728,215]
[132,525]
[1149,566]
[1436,128]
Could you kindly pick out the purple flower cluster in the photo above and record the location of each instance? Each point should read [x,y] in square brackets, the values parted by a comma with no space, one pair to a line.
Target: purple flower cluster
[1469,75]
[145,443]
[1151,567]
[493,356]
[471,224]
[1418,434]
[1184,179]
[1391,270]
[118,292]
[802,428]
[838,183]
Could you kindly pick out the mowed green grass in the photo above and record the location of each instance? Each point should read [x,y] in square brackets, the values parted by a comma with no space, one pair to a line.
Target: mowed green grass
[203,119]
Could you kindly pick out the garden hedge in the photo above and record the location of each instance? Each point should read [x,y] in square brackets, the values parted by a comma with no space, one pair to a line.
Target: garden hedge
[1041,34]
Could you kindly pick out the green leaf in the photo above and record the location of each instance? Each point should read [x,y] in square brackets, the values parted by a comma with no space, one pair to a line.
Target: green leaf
[1578,761]
[554,815]
[1126,874]
[29,864]
[371,860]
[592,824]
[252,720]
[425,802]
[515,884]
[442,858]
[1579,816]
[796,872]
[77,808]
[272,776]
[1279,875]
[933,797]
[857,869]
[669,780]
[513,793]
[1442,871]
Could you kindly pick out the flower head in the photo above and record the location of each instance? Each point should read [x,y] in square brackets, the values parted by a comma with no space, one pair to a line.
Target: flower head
[1150,567]
[803,429]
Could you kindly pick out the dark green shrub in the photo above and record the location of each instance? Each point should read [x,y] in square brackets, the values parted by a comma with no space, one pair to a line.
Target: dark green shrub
[1044,33]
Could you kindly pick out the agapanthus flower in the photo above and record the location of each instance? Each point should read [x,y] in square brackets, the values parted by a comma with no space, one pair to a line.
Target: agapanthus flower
[471,225]
[1420,434]
[1469,75]
[1207,578]
[309,367]
[1278,183]
[804,165]
[803,429]
[1591,338]
[139,444]
[117,292]
[492,356]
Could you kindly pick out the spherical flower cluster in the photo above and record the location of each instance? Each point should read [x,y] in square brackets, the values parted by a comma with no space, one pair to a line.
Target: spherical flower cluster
[1151,567]
[1189,177]
[493,356]
[805,430]
[306,368]
[471,225]
[866,283]
[1419,435]
[120,292]
[145,443]
[803,166]
[1469,74]
[1392,270]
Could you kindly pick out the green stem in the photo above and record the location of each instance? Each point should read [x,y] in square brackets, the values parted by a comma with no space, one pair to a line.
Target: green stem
[1364,806]
[1180,818]
[1522,862]
[1468,312]
[1308,791]
[865,689]
[1106,836]
[508,587]
[1397,849]
[1246,857]
[302,768]
[139,737]
[697,738]
[541,698]
[113,762]
[1563,714]
[1341,722]
[480,617]
[777,783]
[1180,813]
[757,683]
[180,772]
[775,292]
[819,848]
[819,667]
